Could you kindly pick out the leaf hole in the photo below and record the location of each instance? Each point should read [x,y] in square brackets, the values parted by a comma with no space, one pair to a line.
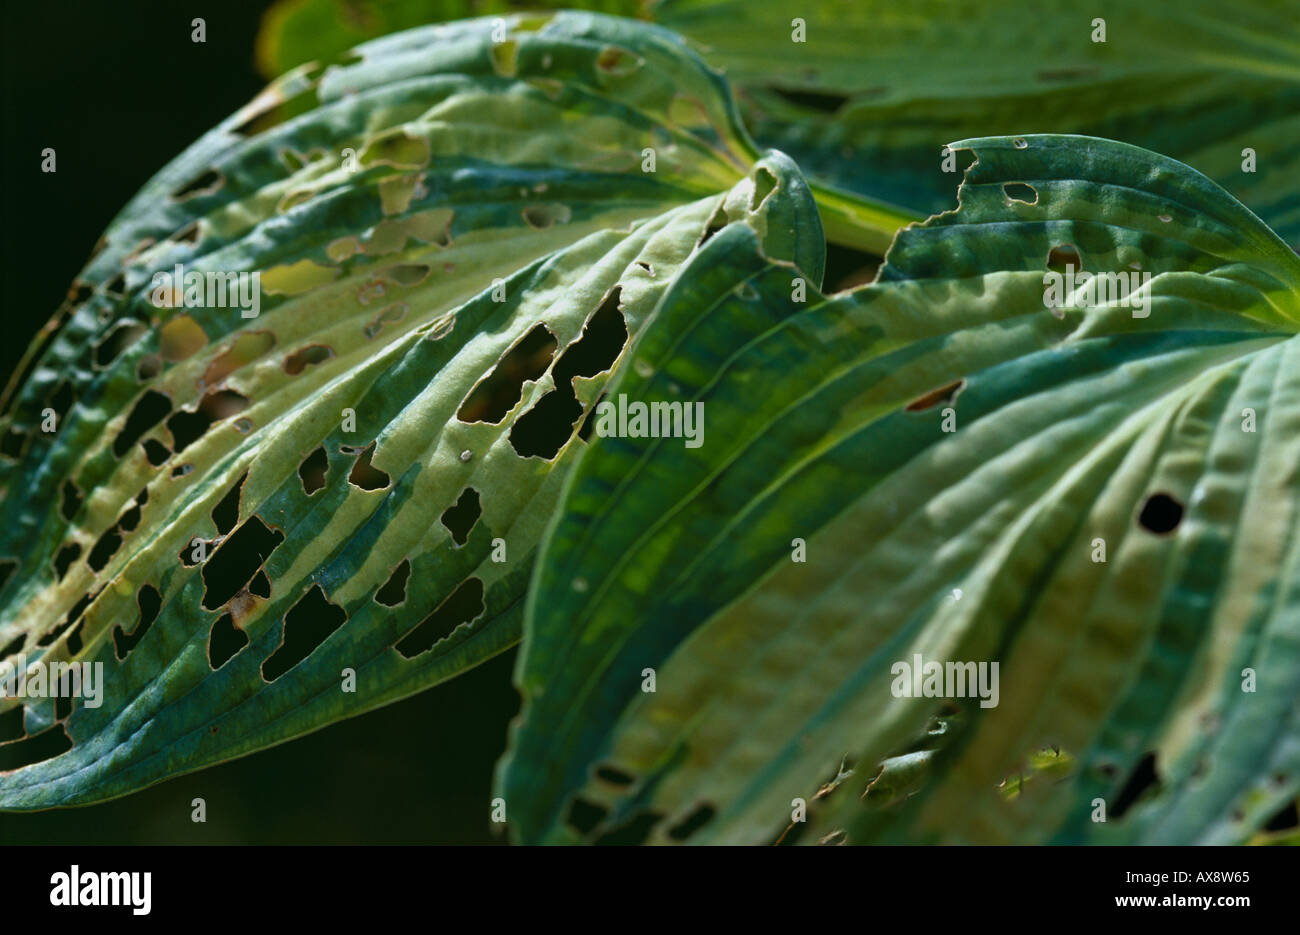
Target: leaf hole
[149,600]
[460,517]
[313,469]
[116,341]
[365,475]
[764,185]
[393,591]
[309,622]
[64,559]
[584,816]
[225,640]
[71,500]
[944,395]
[236,560]
[501,389]
[1064,257]
[1143,778]
[693,822]
[148,411]
[460,608]
[540,217]
[823,102]
[305,357]
[188,426]
[206,183]
[614,775]
[226,513]
[1161,514]
[1020,193]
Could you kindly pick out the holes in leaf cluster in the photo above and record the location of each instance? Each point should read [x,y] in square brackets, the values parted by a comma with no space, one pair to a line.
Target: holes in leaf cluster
[224,641]
[307,624]
[148,411]
[1160,514]
[1020,193]
[74,615]
[313,469]
[545,428]
[464,604]
[236,560]
[7,567]
[365,475]
[393,591]
[305,357]
[149,600]
[501,389]
[187,426]
[944,395]
[460,517]
[116,341]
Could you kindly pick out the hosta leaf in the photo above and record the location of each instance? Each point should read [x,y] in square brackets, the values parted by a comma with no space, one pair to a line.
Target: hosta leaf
[886,84]
[236,516]
[946,453]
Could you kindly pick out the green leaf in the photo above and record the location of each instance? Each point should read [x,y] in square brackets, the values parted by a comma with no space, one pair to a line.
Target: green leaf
[295,32]
[368,463]
[1173,437]
[884,84]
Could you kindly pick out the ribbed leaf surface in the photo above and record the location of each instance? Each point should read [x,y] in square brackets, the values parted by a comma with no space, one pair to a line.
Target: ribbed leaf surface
[945,453]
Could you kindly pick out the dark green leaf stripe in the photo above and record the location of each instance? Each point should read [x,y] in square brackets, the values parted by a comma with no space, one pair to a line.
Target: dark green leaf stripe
[348,458]
[950,451]
[886,85]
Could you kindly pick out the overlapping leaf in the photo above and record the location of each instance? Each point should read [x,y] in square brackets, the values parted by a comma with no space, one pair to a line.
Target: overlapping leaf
[948,455]
[887,84]
[238,516]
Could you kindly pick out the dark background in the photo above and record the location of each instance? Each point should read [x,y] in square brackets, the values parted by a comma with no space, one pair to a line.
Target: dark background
[118,90]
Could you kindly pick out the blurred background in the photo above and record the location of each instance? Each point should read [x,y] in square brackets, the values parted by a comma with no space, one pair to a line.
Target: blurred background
[118,90]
